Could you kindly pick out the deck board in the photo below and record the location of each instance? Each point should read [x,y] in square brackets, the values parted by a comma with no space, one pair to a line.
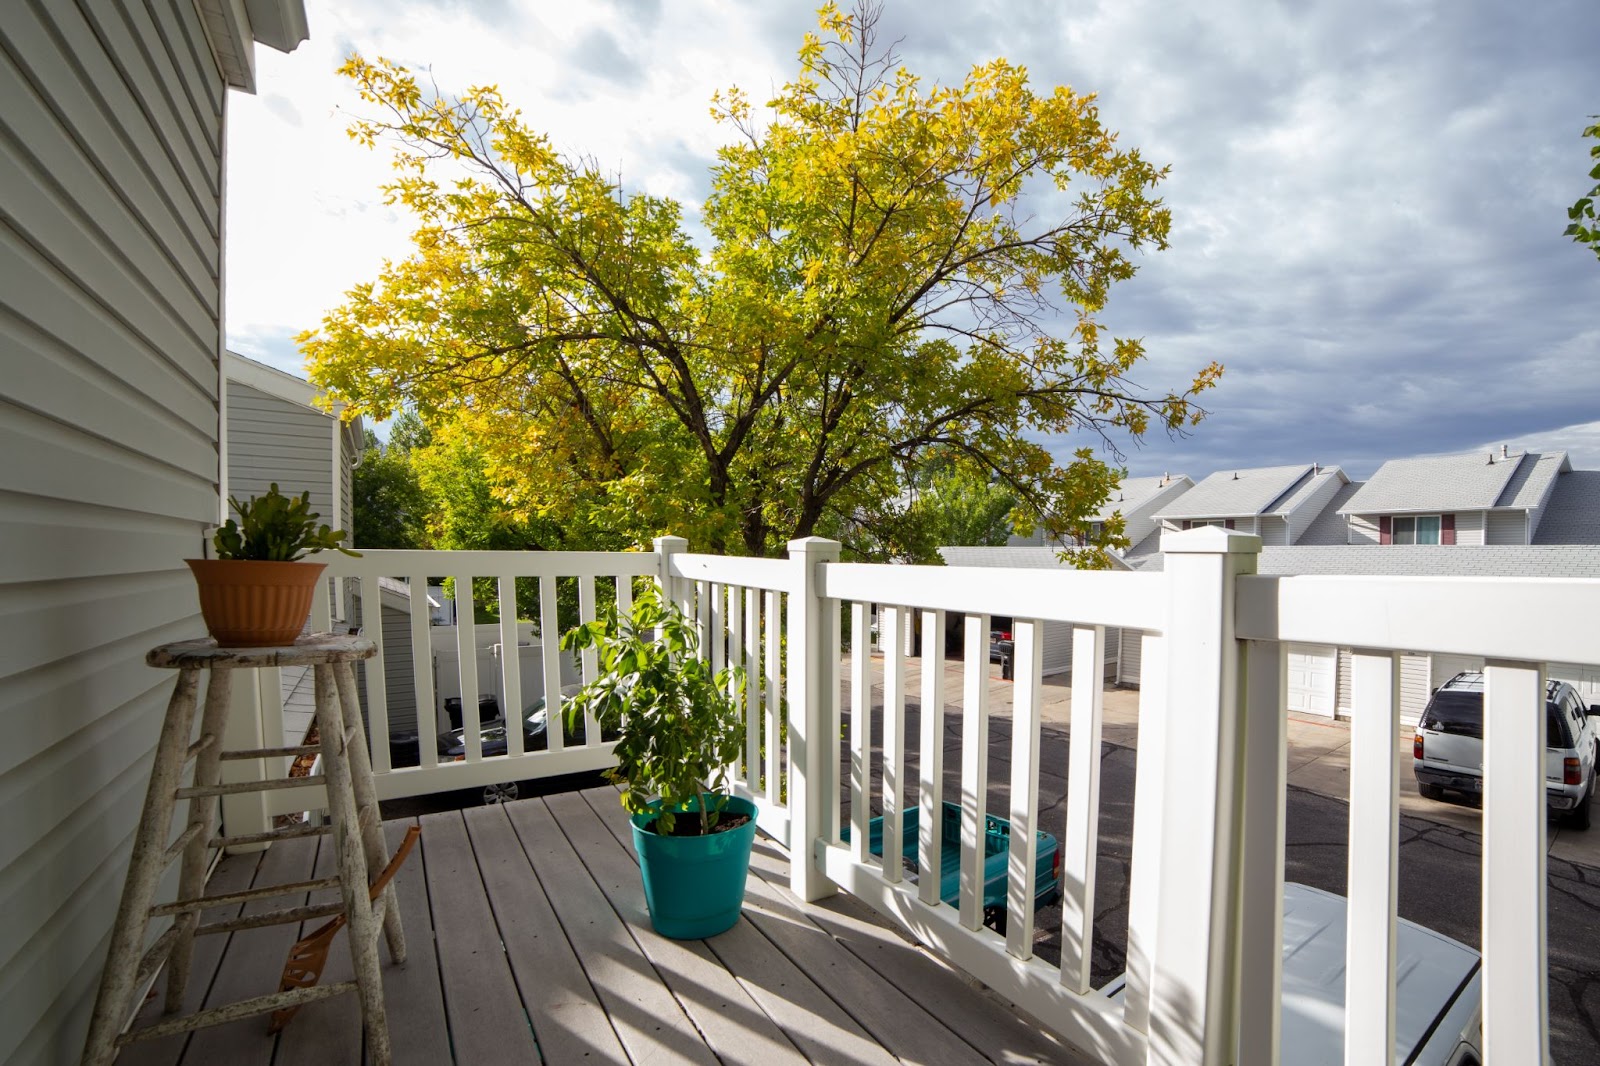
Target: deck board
[647,1018]
[413,995]
[487,1022]
[568,1021]
[529,942]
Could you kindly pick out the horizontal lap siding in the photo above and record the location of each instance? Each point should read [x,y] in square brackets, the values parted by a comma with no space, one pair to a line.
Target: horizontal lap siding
[275,441]
[110,214]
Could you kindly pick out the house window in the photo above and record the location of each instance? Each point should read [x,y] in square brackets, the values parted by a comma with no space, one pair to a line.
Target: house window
[1219,522]
[1416,529]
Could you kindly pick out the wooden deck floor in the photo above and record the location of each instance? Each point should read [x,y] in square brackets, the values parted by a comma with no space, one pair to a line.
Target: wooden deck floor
[529,942]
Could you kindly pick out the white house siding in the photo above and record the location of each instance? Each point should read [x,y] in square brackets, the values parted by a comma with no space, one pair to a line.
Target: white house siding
[110,214]
[1507,527]
[1445,667]
[273,440]
[1129,657]
[1311,508]
[1341,699]
[1274,530]
[1363,529]
[1469,527]
[1415,687]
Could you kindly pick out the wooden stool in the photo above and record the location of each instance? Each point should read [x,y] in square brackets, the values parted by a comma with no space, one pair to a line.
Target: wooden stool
[356,827]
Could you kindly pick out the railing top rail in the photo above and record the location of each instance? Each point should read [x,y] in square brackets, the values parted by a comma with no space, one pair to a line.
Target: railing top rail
[1528,619]
[778,575]
[397,563]
[1094,597]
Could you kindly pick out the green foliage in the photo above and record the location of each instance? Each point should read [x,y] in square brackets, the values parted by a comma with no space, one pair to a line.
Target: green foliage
[896,269]
[949,503]
[678,724]
[273,527]
[390,507]
[1585,228]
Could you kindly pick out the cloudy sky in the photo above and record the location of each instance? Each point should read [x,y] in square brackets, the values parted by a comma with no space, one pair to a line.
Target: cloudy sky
[1368,195]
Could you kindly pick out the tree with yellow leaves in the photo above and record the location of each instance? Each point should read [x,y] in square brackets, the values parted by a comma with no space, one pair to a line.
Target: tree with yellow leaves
[876,291]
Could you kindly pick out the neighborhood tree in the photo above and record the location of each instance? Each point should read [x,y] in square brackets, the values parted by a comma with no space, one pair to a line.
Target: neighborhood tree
[895,271]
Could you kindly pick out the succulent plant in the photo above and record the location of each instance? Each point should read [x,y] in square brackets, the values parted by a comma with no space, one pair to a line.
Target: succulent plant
[273,527]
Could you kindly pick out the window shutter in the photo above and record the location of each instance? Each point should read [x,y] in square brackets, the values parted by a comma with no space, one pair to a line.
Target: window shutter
[1447,529]
[1385,530]
[1187,524]
[1228,523]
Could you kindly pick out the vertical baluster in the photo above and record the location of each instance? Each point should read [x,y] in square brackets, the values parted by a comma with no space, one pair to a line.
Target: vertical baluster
[930,763]
[321,608]
[860,727]
[591,658]
[1143,890]
[467,668]
[1083,808]
[1266,756]
[1374,858]
[833,717]
[510,666]
[735,644]
[716,633]
[752,692]
[550,650]
[1020,873]
[702,619]
[372,670]
[624,595]
[422,671]
[774,758]
[894,740]
[974,767]
[1516,994]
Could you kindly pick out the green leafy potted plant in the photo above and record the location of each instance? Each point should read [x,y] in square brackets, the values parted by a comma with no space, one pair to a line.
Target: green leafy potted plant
[678,729]
[256,592]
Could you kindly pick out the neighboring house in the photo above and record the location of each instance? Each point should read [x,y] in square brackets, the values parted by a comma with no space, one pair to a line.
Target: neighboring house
[111,222]
[1137,500]
[1528,515]
[1277,503]
[1478,498]
[277,433]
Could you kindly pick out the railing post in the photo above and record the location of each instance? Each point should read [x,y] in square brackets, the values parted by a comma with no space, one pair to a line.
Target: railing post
[666,548]
[1196,927]
[813,755]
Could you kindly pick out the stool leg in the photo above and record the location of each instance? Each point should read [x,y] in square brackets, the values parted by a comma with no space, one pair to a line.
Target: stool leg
[202,814]
[367,803]
[353,877]
[114,1002]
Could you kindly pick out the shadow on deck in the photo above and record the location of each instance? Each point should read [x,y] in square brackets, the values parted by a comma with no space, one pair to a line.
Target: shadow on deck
[529,942]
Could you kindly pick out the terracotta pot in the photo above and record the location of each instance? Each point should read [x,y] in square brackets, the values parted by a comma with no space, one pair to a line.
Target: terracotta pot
[251,604]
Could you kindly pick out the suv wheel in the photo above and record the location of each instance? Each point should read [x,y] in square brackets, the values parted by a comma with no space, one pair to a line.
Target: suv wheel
[504,792]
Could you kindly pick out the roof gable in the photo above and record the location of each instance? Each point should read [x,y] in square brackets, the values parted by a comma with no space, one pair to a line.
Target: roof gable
[1136,492]
[1470,482]
[1236,493]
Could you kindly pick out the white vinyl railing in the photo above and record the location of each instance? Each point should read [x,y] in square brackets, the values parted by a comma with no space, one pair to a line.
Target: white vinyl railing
[1203,984]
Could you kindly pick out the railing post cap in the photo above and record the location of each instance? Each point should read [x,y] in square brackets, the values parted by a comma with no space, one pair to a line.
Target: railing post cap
[671,544]
[1210,540]
[813,546]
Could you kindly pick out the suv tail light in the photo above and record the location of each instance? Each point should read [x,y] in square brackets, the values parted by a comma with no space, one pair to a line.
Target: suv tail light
[1571,772]
[1416,746]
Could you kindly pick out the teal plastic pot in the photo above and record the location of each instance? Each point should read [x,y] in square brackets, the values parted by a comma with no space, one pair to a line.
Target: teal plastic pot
[694,886]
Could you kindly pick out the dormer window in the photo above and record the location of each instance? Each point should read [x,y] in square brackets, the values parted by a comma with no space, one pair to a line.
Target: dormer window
[1415,529]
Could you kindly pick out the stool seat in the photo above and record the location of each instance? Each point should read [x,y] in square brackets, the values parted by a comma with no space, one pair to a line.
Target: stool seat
[355,827]
[313,648]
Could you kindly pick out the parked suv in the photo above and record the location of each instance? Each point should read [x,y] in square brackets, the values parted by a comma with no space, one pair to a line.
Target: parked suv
[1447,751]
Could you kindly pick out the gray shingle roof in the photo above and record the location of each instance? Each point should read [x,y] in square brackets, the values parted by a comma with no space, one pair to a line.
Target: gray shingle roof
[1131,493]
[1235,494]
[1530,484]
[1411,560]
[1435,560]
[1573,514]
[1469,482]
[1331,527]
[1307,488]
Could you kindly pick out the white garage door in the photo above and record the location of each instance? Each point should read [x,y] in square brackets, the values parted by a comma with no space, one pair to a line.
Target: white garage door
[1312,670]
